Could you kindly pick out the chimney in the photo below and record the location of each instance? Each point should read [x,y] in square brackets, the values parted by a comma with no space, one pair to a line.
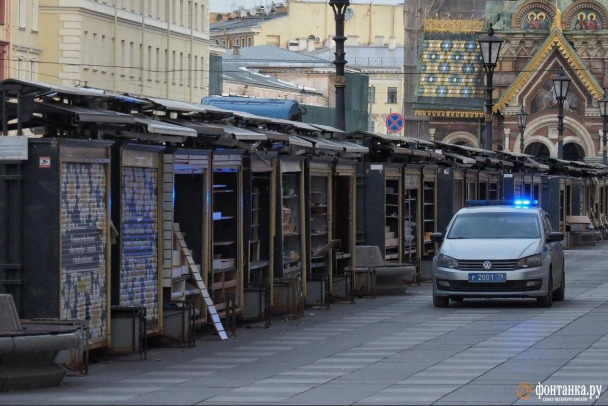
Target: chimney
[392,43]
[379,40]
[236,50]
[352,41]
[310,44]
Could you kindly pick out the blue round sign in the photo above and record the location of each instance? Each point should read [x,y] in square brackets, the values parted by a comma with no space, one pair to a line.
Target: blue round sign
[395,122]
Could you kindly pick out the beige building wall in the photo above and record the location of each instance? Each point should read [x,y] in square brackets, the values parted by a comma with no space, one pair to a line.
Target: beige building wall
[24,52]
[382,106]
[157,48]
[370,25]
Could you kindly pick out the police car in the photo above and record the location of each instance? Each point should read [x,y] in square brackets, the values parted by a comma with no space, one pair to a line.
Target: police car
[499,249]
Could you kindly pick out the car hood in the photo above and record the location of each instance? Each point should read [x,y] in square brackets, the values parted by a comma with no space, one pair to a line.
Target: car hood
[499,248]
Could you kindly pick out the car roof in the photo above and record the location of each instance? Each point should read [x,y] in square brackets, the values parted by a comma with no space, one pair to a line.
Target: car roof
[499,209]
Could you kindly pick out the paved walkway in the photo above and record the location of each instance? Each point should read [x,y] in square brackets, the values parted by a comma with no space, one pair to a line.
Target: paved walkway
[390,350]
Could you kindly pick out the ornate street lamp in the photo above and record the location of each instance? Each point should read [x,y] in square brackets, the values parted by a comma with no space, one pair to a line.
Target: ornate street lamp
[490,48]
[560,90]
[339,7]
[522,119]
[603,102]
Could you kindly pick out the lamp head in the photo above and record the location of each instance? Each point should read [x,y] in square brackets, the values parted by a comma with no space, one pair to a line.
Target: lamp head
[560,85]
[490,48]
[603,103]
[522,118]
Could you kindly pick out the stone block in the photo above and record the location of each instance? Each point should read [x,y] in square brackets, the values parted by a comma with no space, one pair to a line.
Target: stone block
[9,319]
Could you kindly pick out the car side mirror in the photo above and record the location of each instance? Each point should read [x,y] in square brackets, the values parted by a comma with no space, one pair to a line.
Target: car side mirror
[555,236]
[437,237]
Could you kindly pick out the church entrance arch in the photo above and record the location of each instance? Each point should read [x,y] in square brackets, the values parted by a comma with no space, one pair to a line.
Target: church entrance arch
[537,149]
[462,138]
[539,125]
[573,152]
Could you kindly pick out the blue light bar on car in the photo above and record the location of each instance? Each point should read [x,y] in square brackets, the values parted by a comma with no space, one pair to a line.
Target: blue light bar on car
[518,203]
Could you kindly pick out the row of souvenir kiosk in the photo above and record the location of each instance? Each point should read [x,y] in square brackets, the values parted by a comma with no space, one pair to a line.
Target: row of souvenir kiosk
[142,202]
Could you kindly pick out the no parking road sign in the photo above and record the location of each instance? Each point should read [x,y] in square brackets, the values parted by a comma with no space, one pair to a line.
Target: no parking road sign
[394,122]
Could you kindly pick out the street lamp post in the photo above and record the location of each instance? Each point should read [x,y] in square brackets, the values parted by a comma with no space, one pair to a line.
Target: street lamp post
[339,7]
[560,90]
[522,118]
[490,48]
[603,102]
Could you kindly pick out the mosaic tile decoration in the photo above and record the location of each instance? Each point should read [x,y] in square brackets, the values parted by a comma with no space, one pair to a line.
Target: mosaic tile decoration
[83,275]
[139,270]
[451,67]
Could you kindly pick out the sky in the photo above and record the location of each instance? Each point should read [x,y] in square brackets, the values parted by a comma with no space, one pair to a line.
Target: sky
[230,5]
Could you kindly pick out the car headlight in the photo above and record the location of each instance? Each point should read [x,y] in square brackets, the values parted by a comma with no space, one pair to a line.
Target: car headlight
[533,261]
[446,262]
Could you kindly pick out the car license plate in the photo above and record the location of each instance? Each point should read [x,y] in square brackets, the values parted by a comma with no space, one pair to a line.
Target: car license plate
[487,277]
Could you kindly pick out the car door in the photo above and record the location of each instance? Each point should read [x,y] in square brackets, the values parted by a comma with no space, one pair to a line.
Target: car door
[555,252]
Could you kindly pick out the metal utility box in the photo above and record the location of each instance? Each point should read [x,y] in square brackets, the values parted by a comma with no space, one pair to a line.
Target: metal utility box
[128,330]
[137,214]
[66,221]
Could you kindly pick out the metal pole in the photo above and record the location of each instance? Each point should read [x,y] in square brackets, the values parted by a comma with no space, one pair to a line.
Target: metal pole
[489,104]
[560,128]
[604,151]
[521,139]
[340,61]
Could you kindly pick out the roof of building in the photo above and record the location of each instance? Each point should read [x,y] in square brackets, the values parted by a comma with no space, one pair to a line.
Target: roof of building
[263,54]
[451,76]
[366,56]
[243,22]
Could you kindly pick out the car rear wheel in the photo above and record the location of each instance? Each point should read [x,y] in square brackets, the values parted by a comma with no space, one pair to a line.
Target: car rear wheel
[547,300]
[560,293]
[441,301]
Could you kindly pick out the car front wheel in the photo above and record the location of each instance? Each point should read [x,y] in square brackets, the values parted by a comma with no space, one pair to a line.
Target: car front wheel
[441,301]
[547,300]
[560,293]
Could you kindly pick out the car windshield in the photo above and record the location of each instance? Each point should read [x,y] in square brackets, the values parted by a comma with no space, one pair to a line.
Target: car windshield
[495,225]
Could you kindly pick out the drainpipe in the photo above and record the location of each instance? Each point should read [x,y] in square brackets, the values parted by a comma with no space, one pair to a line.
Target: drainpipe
[116,68]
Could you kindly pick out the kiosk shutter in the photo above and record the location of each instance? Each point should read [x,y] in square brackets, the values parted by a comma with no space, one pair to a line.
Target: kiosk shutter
[139,230]
[84,219]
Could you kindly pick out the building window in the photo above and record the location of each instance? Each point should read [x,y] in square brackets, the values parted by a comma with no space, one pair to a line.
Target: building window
[195,72]
[196,22]
[85,55]
[189,72]
[371,94]
[132,59]
[103,64]
[93,57]
[34,15]
[372,124]
[123,58]
[202,72]
[21,15]
[181,12]
[391,95]
[181,68]
[157,65]
[149,63]
[173,65]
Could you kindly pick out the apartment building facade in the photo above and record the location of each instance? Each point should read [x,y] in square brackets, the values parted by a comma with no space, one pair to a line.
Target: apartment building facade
[157,48]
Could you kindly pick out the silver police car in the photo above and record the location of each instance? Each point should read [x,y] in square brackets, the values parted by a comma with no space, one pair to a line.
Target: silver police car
[499,249]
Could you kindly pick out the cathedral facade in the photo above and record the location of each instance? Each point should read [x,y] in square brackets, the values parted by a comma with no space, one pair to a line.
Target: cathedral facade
[540,37]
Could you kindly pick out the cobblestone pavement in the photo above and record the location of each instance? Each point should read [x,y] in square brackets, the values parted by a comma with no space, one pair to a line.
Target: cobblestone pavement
[388,350]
